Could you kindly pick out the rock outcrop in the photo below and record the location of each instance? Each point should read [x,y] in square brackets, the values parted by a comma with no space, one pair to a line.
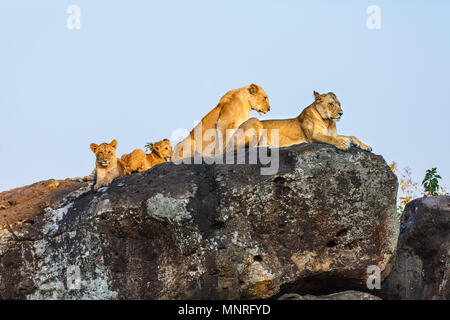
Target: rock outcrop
[422,265]
[344,295]
[19,207]
[208,231]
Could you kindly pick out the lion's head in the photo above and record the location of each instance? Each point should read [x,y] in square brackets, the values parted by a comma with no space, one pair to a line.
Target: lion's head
[258,99]
[328,106]
[163,149]
[105,152]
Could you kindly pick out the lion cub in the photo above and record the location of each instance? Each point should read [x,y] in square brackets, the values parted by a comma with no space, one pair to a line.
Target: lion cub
[316,123]
[108,166]
[139,161]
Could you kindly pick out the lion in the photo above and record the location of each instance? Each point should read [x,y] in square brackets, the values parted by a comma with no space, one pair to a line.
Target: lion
[136,161]
[108,166]
[161,152]
[139,161]
[231,111]
[316,123]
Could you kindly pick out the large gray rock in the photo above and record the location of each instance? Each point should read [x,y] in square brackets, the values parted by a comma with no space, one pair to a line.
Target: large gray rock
[210,231]
[344,295]
[422,266]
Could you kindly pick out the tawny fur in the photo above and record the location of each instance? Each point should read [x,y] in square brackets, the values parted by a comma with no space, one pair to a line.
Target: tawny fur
[108,166]
[232,110]
[316,123]
[139,161]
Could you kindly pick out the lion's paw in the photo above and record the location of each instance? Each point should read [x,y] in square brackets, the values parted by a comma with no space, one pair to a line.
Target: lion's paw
[367,148]
[343,144]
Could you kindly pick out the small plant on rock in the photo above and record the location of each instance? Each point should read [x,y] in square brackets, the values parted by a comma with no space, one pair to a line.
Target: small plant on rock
[409,189]
[431,183]
[149,147]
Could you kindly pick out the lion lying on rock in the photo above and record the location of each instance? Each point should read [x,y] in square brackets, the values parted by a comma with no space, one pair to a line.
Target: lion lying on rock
[108,166]
[139,161]
[316,123]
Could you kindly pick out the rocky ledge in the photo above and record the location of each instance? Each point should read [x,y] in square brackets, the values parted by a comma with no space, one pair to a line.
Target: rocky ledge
[204,231]
[422,265]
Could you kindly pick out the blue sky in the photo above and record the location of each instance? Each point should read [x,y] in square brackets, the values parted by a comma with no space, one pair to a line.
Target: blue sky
[138,70]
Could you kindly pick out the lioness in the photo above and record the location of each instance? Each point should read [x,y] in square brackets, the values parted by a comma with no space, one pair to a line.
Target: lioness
[316,123]
[108,166]
[233,109]
[139,161]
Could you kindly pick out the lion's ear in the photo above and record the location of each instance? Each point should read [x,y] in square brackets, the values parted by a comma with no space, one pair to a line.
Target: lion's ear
[113,144]
[253,88]
[94,147]
[317,96]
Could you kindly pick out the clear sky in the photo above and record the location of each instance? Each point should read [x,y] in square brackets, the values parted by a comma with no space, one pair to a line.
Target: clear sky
[138,70]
